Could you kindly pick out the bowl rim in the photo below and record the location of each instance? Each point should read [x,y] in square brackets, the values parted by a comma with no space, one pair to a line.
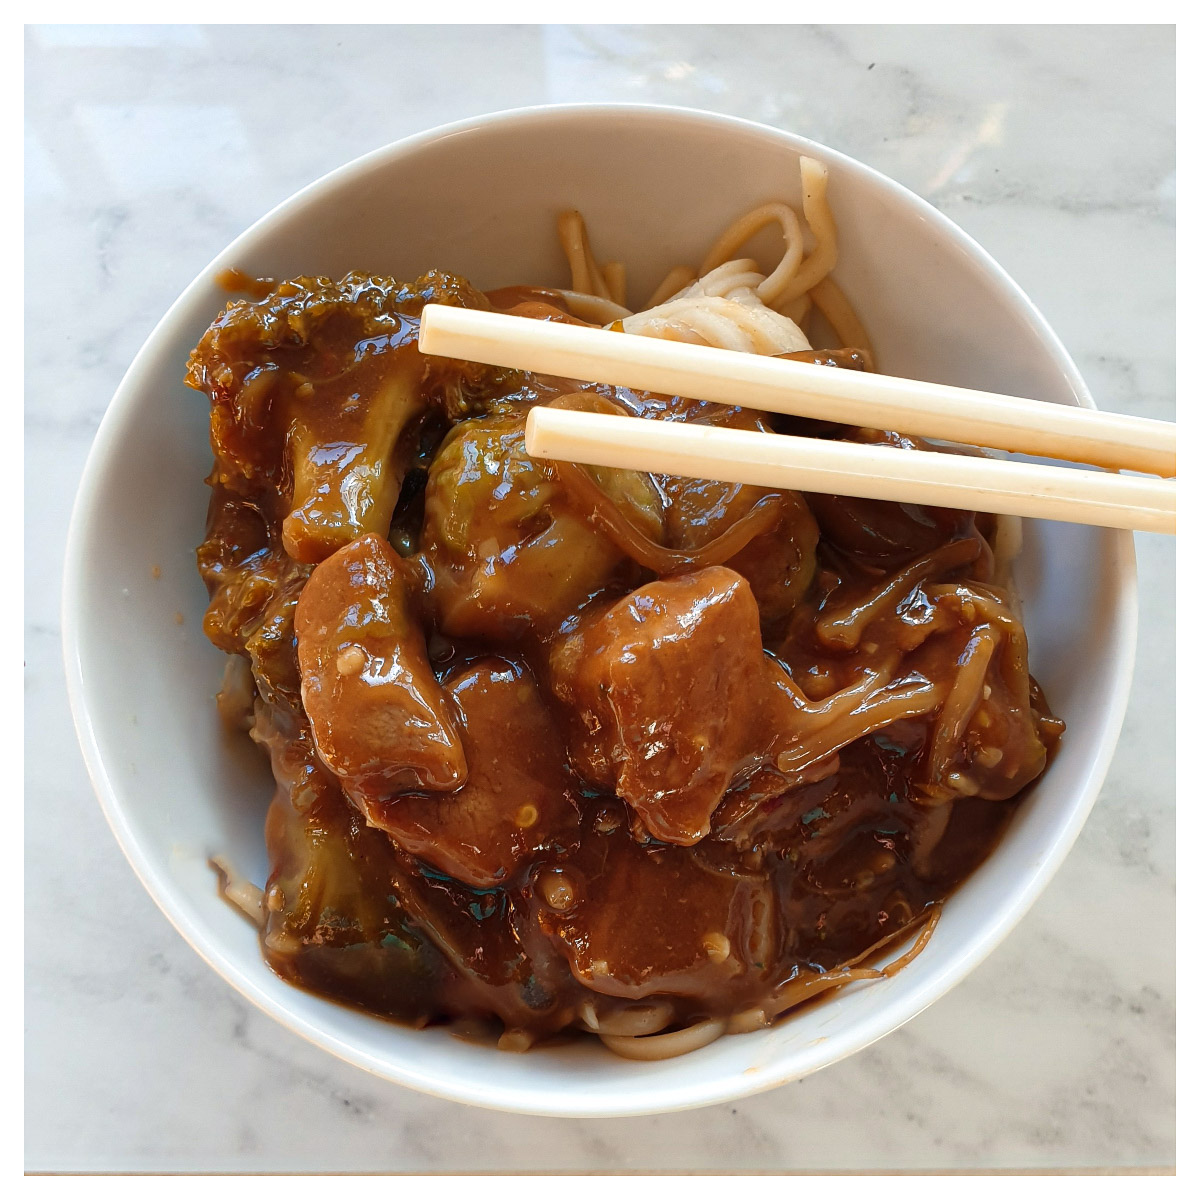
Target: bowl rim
[116,423]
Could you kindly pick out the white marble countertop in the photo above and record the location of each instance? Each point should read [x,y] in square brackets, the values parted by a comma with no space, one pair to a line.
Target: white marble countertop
[150,148]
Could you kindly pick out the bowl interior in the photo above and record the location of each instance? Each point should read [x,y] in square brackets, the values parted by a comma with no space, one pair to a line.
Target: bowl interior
[480,199]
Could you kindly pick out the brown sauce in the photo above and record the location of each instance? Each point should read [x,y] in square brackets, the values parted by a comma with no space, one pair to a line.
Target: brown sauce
[233,280]
[591,750]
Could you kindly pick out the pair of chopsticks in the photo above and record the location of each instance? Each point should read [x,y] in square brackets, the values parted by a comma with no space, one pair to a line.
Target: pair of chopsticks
[929,410]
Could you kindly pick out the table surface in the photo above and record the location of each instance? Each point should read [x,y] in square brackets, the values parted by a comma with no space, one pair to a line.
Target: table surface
[150,148]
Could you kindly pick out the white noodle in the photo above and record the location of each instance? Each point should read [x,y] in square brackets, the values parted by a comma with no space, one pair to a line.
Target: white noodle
[639,1021]
[666,1045]
[596,309]
[237,889]
[712,314]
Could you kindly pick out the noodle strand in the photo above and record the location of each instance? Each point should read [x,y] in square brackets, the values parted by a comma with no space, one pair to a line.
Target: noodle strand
[586,276]
[245,896]
[676,279]
[614,279]
[663,560]
[814,177]
[831,302]
[744,228]
[657,1046]
[963,699]
[593,308]
[805,988]
[843,628]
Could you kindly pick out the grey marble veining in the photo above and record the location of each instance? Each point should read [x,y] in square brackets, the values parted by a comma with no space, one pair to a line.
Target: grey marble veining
[149,148]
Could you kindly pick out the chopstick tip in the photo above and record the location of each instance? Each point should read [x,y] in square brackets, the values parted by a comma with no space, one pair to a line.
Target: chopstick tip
[534,434]
[433,328]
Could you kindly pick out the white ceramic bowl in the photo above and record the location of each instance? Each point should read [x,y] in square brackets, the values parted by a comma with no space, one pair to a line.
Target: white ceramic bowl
[479,198]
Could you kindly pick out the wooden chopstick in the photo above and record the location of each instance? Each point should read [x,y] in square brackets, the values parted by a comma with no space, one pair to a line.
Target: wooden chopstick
[777,385]
[850,469]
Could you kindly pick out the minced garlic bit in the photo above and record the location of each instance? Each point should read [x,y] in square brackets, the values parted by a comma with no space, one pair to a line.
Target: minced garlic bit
[717,946]
[556,890]
[988,756]
[516,1040]
[351,660]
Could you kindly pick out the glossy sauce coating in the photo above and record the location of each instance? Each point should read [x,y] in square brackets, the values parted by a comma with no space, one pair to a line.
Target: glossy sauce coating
[559,748]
